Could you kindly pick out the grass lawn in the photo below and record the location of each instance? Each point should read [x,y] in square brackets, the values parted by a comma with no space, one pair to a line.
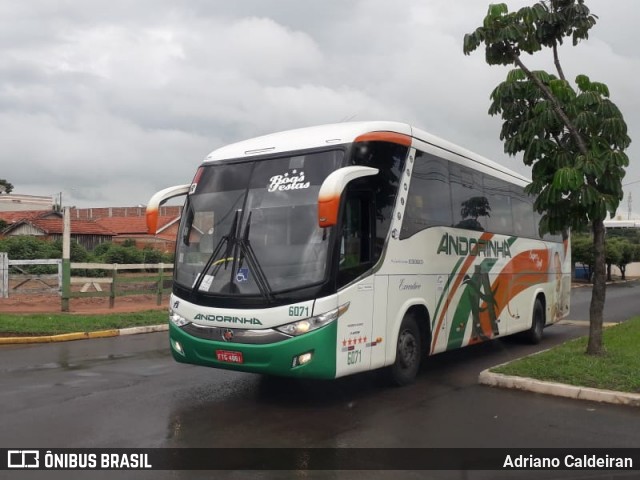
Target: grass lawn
[618,369]
[54,324]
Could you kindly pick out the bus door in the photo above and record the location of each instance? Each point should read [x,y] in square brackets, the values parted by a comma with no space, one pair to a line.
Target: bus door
[356,258]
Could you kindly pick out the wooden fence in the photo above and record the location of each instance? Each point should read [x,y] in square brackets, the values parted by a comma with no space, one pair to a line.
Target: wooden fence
[106,280]
[117,283]
[25,282]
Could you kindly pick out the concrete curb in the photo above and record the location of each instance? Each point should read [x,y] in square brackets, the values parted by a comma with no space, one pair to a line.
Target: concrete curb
[147,329]
[67,337]
[615,282]
[558,389]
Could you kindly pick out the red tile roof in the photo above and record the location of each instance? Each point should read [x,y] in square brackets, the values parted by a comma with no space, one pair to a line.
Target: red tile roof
[50,222]
[54,226]
[14,217]
[130,225]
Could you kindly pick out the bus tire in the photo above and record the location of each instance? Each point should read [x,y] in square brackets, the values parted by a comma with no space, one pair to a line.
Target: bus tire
[408,353]
[534,334]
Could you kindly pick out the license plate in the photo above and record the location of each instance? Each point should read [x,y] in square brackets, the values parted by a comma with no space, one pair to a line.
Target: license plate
[229,357]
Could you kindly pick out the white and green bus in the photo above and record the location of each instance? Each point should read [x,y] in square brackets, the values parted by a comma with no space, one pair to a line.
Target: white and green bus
[327,251]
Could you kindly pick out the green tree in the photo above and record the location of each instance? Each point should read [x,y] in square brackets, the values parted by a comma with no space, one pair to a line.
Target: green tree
[5,187]
[573,136]
[582,251]
[612,255]
[631,234]
[628,253]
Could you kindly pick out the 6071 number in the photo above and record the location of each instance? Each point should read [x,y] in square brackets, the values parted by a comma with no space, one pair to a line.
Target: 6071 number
[298,311]
[354,357]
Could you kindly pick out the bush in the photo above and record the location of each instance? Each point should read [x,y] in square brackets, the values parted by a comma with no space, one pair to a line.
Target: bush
[151,255]
[112,253]
[78,252]
[100,250]
[120,254]
[33,248]
[28,248]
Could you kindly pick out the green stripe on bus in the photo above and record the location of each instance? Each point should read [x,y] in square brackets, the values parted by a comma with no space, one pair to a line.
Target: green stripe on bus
[462,315]
[446,290]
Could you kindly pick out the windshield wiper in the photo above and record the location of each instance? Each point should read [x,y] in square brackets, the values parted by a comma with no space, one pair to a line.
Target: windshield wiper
[230,240]
[237,250]
[246,252]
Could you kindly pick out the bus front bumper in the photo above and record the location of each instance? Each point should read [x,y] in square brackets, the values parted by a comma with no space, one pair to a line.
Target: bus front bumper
[280,358]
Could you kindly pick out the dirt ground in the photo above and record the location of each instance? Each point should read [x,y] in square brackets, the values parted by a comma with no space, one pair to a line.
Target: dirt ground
[51,303]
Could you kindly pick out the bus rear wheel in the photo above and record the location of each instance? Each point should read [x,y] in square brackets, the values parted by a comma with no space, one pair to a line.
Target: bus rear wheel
[534,334]
[408,353]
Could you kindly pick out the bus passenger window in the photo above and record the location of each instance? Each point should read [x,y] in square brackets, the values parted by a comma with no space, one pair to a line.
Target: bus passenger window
[498,193]
[523,214]
[429,199]
[471,208]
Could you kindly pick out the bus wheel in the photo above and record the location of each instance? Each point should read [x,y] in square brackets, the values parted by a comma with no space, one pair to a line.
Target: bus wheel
[534,334]
[408,348]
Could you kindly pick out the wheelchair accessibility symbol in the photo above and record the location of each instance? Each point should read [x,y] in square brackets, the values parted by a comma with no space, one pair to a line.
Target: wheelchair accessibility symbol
[242,275]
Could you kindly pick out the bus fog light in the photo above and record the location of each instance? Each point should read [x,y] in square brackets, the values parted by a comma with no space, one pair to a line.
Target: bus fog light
[177,347]
[302,359]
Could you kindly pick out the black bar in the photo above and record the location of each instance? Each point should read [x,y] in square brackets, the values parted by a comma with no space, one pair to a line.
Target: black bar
[319,459]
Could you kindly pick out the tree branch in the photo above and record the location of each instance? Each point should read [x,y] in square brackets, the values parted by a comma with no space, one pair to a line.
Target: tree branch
[556,105]
[556,60]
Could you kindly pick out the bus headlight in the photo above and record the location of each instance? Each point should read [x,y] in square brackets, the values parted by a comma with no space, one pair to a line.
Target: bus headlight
[178,320]
[313,323]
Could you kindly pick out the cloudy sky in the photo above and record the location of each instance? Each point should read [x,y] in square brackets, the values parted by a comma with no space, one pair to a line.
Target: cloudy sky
[107,102]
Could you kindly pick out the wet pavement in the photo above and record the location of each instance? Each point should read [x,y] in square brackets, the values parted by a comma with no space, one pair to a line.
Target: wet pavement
[128,392]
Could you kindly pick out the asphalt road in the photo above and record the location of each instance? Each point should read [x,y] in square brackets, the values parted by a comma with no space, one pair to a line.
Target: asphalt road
[622,302]
[128,392]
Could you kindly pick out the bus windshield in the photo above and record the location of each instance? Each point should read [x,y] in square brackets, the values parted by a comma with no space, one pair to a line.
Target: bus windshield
[251,228]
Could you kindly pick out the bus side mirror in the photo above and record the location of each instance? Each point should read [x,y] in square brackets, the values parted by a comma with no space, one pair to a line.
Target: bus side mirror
[331,191]
[158,199]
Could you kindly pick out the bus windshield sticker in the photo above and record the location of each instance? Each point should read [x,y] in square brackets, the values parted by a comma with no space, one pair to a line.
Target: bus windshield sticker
[242,275]
[206,283]
[286,182]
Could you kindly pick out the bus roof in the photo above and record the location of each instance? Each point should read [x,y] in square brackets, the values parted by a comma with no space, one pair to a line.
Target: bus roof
[341,133]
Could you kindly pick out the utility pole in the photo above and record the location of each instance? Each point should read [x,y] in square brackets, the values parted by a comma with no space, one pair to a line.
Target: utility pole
[629,202]
[66,260]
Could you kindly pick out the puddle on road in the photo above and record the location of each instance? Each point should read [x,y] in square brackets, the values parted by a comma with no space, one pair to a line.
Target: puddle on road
[64,363]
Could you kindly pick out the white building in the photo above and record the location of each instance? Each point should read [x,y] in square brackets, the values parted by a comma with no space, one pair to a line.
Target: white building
[17,203]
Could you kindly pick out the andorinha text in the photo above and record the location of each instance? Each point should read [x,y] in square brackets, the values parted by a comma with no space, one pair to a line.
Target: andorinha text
[453,245]
[227,319]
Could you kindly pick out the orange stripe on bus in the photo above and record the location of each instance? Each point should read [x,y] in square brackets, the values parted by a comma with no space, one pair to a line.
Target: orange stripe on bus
[534,264]
[390,137]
